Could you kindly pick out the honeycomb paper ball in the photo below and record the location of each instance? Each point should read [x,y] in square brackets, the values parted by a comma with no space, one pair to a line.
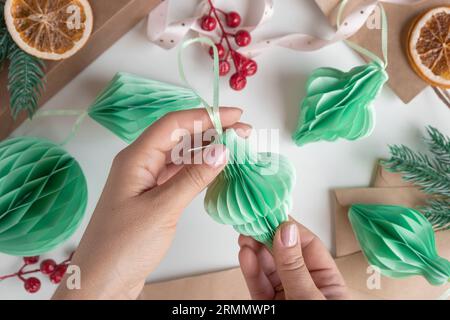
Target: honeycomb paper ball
[43,196]
[254,191]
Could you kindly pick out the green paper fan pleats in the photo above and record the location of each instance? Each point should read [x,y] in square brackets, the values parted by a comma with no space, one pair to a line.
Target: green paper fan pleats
[253,192]
[399,241]
[339,104]
[129,104]
[43,196]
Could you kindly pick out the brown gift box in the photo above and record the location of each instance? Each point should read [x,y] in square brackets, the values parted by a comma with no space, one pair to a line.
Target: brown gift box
[403,80]
[389,188]
[112,19]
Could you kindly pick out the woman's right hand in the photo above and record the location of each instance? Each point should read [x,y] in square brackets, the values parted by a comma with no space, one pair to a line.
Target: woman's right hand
[299,268]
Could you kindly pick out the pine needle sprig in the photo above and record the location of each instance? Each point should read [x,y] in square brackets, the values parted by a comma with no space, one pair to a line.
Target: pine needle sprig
[25,73]
[439,145]
[25,81]
[437,212]
[430,172]
[419,169]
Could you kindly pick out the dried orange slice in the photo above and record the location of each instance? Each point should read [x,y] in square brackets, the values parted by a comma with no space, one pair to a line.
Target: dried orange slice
[49,29]
[429,46]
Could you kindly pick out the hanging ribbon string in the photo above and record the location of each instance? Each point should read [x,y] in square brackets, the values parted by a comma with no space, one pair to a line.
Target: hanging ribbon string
[213,110]
[384,36]
[81,114]
[443,94]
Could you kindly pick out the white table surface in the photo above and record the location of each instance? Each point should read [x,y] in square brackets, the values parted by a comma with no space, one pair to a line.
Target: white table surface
[270,101]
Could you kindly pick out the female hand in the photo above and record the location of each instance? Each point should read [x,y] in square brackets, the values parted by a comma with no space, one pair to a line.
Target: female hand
[299,268]
[135,219]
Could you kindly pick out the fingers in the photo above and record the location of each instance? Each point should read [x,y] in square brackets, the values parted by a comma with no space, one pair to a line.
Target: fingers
[258,284]
[182,188]
[162,134]
[242,129]
[321,265]
[292,270]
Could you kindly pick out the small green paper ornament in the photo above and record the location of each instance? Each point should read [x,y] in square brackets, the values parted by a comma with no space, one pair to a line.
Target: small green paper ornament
[129,104]
[253,192]
[340,104]
[43,196]
[399,241]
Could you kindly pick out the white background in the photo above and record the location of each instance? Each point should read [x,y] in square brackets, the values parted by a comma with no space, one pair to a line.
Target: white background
[270,101]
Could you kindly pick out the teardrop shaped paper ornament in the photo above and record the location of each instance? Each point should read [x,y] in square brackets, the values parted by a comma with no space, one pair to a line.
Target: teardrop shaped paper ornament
[43,196]
[253,192]
[339,104]
[129,104]
[399,241]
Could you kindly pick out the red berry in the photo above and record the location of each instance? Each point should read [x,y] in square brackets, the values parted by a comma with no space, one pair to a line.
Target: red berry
[233,19]
[32,285]
[243,38]
[238,81]
[249,68]
[56,277]
[220,51]
[48,266]
[208,23]
[62,268]
[224,67]
[58,274]
[30,260]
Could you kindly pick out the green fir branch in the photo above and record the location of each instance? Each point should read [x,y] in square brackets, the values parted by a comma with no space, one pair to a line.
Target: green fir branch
[25,81]
[437,211]
[25,74]
[419,169]
[4,38]
[439,146]
[429,172]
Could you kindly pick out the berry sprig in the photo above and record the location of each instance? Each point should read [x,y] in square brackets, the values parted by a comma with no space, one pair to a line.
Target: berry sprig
[244,67]
[55,272]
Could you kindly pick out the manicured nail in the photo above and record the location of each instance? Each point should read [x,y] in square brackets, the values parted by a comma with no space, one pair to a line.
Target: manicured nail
[289,235]
[215,155]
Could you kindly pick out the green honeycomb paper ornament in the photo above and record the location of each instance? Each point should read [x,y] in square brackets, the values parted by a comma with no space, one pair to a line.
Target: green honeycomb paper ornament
[43,196]
[129,104]
[398,241]
[339,104]
[253,192]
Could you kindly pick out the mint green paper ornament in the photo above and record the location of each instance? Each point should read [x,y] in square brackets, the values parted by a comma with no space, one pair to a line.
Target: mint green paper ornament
[43,196]
[253,192]
[340,104]
[399,241]
[129,104]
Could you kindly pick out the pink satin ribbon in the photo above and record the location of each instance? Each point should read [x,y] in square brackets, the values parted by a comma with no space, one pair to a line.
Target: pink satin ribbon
[168,35]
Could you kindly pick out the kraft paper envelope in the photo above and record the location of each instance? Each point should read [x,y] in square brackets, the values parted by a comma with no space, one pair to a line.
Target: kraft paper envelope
[403,80]
[386,179]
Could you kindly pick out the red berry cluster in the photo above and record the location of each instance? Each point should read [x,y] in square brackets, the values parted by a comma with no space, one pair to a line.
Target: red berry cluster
[55,272]
[244,66]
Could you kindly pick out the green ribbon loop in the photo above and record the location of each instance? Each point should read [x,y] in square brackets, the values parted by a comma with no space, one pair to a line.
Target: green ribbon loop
[384,37]
[81,114]
[213,110]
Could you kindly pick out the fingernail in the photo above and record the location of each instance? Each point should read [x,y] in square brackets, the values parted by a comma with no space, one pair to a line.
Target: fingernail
[289,235]
[215,155]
